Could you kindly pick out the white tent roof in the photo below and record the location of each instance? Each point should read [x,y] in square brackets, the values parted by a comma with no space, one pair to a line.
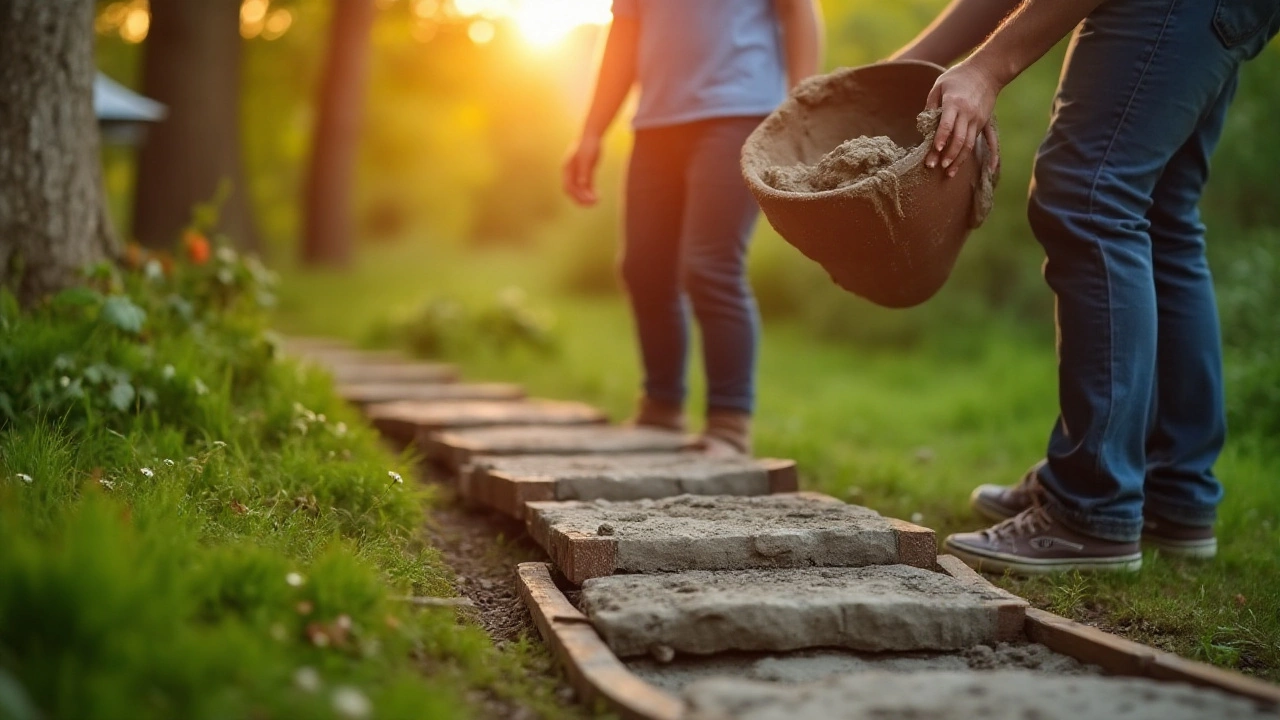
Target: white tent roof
[113,102]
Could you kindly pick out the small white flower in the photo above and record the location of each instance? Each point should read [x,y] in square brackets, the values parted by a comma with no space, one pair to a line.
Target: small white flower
[200,387]
[25,478]
[219,444]
[168,462]
[294,579]
[168,372]
[225,254]
[917,518]
[148,472]
[395,477]
[352,704]
[192,459]
[306,678]
[320,418]
[64,381]
[340,429]
[108,484]
[154,270]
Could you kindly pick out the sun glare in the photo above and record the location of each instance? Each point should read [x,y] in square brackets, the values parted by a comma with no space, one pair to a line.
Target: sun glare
[543,23]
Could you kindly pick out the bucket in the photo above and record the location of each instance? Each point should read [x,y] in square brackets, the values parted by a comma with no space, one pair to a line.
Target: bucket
[894,236]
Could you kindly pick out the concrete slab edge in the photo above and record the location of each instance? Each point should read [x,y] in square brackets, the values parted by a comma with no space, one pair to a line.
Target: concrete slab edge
[593,670]
[1011,613]
[1119,656]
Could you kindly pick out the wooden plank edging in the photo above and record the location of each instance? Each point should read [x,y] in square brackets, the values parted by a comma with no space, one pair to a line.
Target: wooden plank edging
[1118,656]
[594,671]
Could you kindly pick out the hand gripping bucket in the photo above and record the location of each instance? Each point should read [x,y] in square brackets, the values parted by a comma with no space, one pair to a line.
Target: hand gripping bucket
[892,237]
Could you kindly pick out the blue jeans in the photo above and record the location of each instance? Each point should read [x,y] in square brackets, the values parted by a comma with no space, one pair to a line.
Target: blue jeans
[1139,110]
[689,218]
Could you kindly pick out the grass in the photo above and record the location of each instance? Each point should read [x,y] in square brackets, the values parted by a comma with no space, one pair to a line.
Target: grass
[192,528]
[909,433]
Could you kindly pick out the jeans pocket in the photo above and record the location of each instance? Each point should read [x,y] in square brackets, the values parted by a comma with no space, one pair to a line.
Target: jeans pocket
[1238,21]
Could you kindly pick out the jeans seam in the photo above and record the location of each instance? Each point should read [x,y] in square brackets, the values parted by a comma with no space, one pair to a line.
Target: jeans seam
[1093,187]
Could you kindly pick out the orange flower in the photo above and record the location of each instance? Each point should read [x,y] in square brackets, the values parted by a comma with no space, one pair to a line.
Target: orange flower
[134,255]
[197,247]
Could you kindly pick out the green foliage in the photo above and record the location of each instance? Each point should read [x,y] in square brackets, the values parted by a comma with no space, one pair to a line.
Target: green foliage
[193,528]
[446,328]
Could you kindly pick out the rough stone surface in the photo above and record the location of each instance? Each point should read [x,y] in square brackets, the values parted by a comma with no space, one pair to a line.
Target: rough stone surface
[506,483]
[407,419]
[945,695]
[363,393]
[808,666]
[457,448]
[725,533]
[874,608]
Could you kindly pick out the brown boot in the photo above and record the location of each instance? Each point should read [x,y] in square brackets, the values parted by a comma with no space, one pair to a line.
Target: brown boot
[728,433]
[659,414]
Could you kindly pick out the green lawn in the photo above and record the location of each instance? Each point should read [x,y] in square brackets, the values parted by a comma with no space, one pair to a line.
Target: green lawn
[191,528]
[908,433]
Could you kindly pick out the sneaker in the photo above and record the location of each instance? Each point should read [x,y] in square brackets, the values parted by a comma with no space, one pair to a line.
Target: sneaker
[1034,543]
[1179,540]
[1000,502]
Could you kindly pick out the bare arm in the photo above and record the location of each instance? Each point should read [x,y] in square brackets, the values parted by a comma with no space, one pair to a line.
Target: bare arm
[958,29]
[967,92]
[801,37]
[614,79]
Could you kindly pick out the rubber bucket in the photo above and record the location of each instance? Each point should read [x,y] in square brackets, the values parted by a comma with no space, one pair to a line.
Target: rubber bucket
[894,236]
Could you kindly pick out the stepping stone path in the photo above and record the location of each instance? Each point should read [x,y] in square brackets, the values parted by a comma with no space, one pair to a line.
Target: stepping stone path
[455,449]
[874,608]
[944,695]
[407,421]
[507,484]
[593,539]
[369,393]
[682,553]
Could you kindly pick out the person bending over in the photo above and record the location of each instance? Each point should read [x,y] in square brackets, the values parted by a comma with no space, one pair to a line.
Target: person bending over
[708,72]
[1139,109]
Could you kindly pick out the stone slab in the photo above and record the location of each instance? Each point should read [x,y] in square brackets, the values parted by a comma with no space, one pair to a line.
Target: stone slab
[808,666]
[598,538]
[455,449]
[392,372]
[944,695]
[508,483]
[364,393]
[876,608]
[407,421]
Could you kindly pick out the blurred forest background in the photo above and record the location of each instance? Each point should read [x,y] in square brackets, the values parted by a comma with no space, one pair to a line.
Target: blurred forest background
[470,106]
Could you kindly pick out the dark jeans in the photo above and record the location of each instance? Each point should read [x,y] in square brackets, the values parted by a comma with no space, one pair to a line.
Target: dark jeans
[1139,110]
[689,218]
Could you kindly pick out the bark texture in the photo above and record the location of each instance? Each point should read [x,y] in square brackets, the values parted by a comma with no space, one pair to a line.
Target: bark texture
[52,217]
[192,64]
[328,225]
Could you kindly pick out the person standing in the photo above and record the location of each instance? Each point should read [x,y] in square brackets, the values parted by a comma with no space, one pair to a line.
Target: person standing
[1139,110]
[708,72]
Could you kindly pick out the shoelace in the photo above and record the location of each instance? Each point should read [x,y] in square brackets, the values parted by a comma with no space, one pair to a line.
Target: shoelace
[1032,520]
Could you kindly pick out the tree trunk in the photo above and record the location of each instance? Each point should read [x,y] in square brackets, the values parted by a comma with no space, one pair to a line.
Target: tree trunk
[52,218]
[327,224]
[192,64]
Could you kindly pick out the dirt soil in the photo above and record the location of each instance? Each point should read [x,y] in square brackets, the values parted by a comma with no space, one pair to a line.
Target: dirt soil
[484,549]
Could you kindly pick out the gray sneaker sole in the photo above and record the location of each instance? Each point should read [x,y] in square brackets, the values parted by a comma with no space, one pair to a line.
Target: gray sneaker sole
[1197,549]
[999,563]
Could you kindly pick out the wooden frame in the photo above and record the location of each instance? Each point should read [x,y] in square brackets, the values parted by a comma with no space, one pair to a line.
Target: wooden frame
[597,674]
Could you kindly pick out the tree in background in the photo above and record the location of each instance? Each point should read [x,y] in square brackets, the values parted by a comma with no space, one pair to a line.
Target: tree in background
[192,63]
[327,213]
[52,218]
